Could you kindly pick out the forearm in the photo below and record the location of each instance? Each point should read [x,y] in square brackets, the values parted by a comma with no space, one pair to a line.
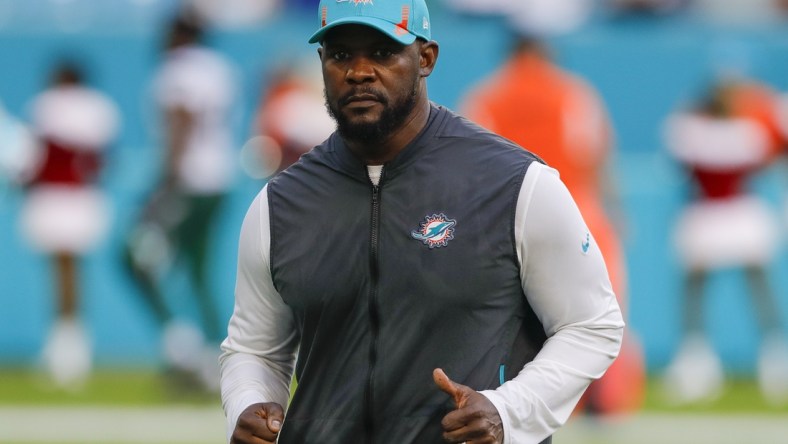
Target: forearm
[259,351]
[542,397]
[566,283]
[248,379]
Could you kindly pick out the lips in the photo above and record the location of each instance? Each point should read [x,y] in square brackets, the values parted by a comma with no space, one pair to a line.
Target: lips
[359,98]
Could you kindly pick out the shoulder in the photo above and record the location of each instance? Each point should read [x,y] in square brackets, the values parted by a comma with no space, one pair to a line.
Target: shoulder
[318,157]
[465,134]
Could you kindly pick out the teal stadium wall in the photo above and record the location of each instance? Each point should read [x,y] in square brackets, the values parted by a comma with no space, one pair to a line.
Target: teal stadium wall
[643,69]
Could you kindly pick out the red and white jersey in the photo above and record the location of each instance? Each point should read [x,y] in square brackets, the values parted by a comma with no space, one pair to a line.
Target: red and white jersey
[721,153]
[64,211]
[75,125]
[726,225]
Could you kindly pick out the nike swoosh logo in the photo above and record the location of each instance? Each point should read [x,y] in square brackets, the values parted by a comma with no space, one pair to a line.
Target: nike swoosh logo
[587,243]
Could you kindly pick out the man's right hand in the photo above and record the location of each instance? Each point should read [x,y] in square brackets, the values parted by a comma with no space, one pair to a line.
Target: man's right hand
[259,424]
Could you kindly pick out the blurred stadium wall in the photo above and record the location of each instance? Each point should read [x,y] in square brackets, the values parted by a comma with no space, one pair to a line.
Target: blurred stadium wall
[643,67]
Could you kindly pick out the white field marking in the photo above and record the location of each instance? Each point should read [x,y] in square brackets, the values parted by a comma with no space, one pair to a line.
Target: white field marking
[115,425]
[204,425]
[661,428]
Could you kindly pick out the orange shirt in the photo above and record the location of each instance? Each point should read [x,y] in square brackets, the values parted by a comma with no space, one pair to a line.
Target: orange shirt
[549,112]
[559,117]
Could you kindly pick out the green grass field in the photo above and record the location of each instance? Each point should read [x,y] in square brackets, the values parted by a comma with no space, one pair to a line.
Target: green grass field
[143,407]
[107,387]
[148,388]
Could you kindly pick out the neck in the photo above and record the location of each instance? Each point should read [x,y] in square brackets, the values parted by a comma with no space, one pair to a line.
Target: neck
[383,151]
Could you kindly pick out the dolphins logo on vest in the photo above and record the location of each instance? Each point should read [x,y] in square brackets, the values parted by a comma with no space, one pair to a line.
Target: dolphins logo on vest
[436,231]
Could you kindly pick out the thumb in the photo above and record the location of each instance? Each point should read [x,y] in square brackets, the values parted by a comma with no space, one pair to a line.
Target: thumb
[458,392]
[273,415]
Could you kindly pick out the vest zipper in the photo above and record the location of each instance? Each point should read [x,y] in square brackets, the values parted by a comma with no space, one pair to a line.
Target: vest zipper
[374,317]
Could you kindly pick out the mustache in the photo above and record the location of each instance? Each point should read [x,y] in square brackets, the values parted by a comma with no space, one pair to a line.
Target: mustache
[379,96]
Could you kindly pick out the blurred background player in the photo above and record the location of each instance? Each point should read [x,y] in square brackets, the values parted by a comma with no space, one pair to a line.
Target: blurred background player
[66,214]
[540,106]
[194,91]
[291,118]
[723,142]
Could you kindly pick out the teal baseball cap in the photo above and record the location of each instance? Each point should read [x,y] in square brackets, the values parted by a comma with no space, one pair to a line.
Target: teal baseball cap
[402,20]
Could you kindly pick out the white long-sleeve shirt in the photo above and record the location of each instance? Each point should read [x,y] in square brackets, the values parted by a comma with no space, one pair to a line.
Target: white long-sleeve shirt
[563,276]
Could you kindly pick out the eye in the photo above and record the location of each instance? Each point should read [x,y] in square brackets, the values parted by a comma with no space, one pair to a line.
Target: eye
[383,53]
[340,55]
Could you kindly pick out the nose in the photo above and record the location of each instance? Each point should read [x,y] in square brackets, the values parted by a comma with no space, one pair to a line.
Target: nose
[360,70]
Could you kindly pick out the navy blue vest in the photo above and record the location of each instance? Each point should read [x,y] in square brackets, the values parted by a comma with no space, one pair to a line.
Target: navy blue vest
[389,282]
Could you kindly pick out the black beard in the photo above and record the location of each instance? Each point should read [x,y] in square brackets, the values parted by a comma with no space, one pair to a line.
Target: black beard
[369,134]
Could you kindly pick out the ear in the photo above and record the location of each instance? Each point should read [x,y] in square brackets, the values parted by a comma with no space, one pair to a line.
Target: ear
[428,57]
[320,52]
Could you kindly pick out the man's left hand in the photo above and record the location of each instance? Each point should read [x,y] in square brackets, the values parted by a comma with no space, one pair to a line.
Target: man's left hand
[475,421]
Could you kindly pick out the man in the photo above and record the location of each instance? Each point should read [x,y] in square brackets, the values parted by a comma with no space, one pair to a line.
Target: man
[410,247]
[67,214]
[535,103]
[728,137]
[291,117]
[194,91]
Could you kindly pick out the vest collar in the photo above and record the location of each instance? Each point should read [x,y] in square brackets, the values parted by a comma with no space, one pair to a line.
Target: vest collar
[349,163]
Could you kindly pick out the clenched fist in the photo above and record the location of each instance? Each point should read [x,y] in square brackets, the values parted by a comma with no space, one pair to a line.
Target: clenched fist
[259,424]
